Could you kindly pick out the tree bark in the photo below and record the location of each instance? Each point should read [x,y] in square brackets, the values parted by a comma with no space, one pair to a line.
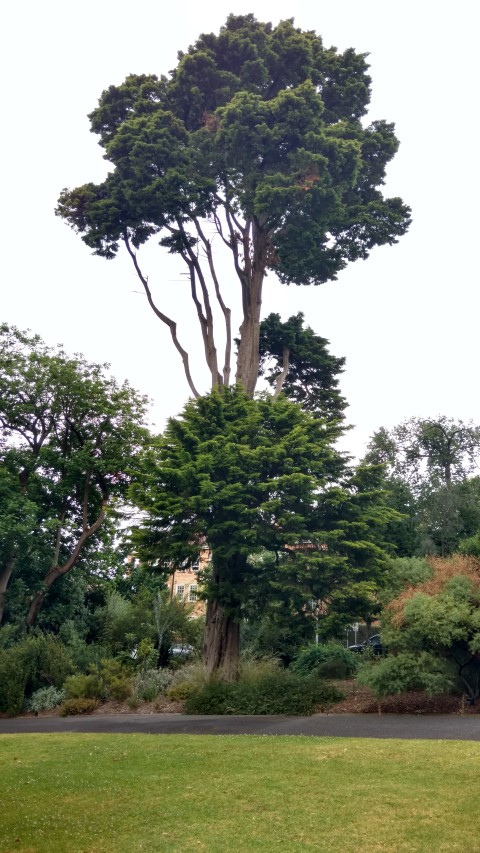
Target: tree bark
[221,644]
[249,347]
[4,580]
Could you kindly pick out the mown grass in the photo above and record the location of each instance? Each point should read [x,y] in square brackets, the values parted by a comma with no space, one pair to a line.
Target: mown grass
[74,793]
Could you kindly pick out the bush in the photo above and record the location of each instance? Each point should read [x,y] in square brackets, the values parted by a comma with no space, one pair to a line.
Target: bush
[119,688]
[148,684]
[106,680]
[403,672]
[45,699]
[328,660]
[71,707]
[181,691]
[37,661]
[85,687]
[117,683]
[282,692]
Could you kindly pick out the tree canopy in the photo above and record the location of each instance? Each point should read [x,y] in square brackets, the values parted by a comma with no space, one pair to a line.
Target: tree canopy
[256,142]
[68,439]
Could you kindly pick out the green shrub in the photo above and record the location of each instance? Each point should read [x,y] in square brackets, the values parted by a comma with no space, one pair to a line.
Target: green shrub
[115,678]
[403,672]
[52,663]
[217,697]
[45,699]
[147,654]
[149,684]
[328,660]
[85,687]
[15,670]
[37,661]
[71,707]
[181,691]
[120,689]
[278,693]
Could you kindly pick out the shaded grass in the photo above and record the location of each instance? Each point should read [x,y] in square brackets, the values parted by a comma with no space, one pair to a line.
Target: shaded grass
[71,793]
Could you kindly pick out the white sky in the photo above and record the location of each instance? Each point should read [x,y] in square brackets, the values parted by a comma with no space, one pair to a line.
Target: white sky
[406,319]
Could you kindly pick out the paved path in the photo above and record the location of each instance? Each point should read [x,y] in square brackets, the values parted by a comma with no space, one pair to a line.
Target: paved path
[412,727]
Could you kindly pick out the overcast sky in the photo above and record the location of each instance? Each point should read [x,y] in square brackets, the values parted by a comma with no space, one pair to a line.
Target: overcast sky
[406,319]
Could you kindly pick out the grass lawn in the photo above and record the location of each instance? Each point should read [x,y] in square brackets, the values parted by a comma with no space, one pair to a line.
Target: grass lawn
[88,793]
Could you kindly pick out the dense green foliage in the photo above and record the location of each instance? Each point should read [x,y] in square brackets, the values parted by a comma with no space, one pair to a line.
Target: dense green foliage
[406,671]
[36,662]
[269,117]
[326,660]
[262,483]
[281,692]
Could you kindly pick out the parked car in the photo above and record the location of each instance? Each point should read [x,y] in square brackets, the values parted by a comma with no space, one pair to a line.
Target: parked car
[183,650]
[374,642]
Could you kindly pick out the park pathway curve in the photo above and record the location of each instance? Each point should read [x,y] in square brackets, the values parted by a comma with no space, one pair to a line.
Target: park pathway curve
[404,726]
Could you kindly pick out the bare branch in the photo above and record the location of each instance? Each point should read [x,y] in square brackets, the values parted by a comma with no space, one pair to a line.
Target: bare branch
[200,314]
[226,311]
[218,226]
[283,374]
[234,238]
[163,317]
[206,319]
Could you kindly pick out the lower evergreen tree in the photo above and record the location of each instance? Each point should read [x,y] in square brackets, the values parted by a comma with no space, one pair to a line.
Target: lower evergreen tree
[251,476]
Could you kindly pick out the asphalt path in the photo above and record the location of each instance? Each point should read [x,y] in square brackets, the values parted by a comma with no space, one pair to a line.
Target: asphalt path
[404,726]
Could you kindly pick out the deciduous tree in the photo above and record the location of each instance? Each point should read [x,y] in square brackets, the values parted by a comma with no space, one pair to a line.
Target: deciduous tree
[429,465]
[69,436]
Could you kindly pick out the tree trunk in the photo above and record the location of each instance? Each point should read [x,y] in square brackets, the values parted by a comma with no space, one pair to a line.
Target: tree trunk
[4,579]
[221,644]
[249,348]
[248,351]
[34,609]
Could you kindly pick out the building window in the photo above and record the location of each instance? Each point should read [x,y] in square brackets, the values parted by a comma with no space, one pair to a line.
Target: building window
[192,593]
[180,590]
